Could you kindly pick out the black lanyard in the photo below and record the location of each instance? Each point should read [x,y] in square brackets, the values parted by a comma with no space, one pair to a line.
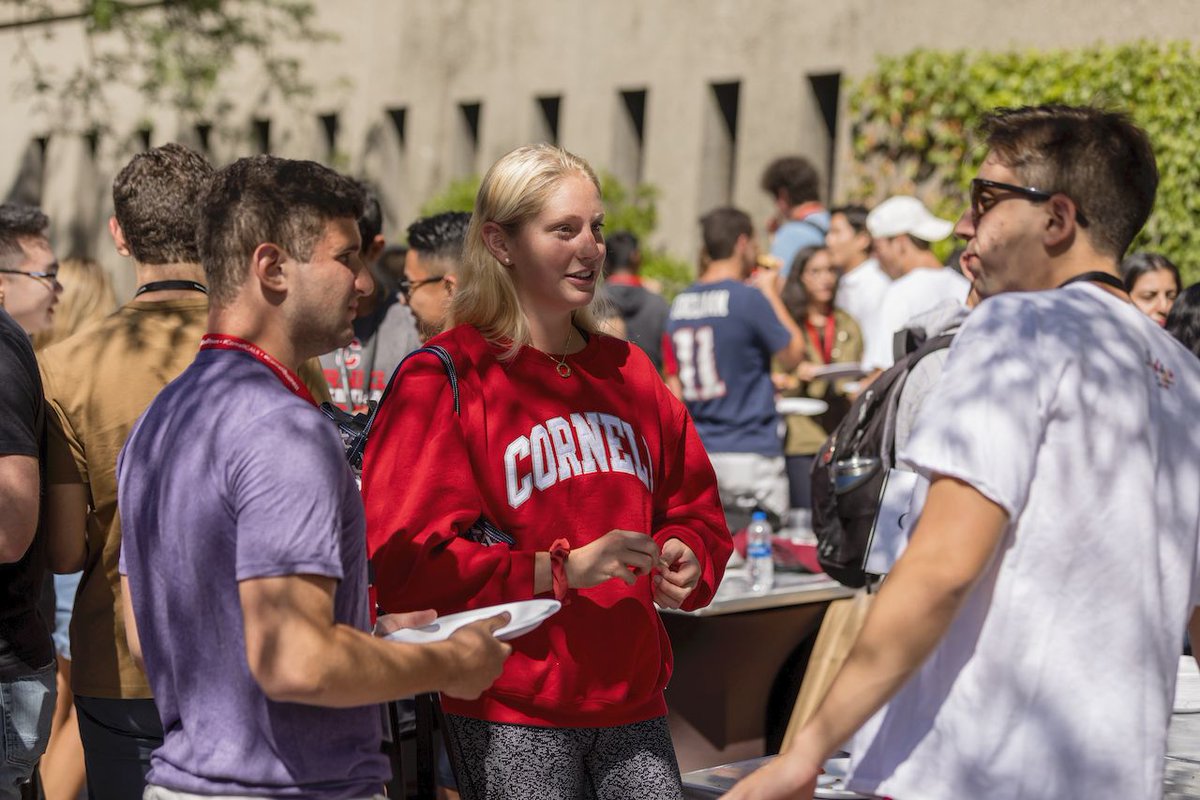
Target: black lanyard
[1108,279]
[167,286]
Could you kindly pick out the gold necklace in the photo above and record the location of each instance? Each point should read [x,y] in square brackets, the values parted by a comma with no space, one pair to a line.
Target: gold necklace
[562,367]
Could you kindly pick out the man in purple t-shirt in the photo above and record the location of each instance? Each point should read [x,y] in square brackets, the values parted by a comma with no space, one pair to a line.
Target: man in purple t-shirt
[244,551]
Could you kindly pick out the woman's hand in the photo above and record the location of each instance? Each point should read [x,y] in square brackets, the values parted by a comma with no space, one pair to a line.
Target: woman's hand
[807,371]
[678,576]
[617,554]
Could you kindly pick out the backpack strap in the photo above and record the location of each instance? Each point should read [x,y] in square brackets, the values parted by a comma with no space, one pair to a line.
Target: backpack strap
[930,345]
[355,453]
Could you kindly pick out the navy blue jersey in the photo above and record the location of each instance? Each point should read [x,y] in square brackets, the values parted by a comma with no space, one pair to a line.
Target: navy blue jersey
[723,335]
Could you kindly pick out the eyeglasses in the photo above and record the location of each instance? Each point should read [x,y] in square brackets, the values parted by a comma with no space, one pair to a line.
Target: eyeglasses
[49,277]
[981,203]
[407,287]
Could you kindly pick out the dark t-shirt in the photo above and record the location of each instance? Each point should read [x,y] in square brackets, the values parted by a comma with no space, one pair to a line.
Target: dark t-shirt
[723,335]
[24,638]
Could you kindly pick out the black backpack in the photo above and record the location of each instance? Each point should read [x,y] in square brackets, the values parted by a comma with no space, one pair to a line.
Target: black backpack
[850,468]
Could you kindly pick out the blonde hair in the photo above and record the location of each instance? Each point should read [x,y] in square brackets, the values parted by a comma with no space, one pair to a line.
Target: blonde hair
[87,296]
[514,191]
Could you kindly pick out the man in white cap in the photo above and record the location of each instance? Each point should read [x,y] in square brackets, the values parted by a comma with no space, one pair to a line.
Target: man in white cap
[902,229]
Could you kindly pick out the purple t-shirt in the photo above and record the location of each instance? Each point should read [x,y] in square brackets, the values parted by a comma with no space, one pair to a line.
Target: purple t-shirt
[228,476]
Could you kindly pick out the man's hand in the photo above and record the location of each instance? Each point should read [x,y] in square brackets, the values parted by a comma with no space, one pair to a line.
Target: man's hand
[617,554]
[479,655]
[390,623]
[785,778]
[766,281]
[679,574]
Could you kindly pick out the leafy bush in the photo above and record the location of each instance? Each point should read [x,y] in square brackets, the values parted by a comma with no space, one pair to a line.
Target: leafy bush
[633,210]
[915,119]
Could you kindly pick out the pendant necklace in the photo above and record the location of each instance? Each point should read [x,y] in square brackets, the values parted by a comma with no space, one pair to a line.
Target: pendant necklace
[562,367]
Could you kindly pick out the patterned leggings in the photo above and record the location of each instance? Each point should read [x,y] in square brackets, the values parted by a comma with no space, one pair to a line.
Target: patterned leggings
[496,761]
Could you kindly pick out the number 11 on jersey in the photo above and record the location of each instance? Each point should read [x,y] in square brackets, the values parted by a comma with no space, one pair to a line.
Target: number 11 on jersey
[697,357]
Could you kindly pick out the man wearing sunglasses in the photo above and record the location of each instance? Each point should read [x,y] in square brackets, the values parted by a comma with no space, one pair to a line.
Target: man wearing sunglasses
[1026,644]
[28,270]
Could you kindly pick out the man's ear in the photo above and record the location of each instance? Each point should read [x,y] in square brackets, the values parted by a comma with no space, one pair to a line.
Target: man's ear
[1060,221]
[267,264]
[118,236]
[450,281]
[371,255]
[495,239]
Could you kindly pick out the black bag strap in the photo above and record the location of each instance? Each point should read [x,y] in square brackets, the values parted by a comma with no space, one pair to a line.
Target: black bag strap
[355,453]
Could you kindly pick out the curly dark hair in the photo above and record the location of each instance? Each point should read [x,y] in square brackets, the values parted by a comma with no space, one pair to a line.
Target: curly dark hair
[18,222]
[155,200]
[795,176]
[267,199]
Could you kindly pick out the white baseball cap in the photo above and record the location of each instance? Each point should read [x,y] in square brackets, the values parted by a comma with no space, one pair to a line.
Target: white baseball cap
[897,216]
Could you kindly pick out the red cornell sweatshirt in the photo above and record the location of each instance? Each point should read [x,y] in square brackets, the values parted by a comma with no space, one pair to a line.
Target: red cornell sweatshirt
[541,457]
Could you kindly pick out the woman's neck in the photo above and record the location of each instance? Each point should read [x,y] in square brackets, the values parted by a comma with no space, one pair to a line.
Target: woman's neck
[819,312]
[554,334]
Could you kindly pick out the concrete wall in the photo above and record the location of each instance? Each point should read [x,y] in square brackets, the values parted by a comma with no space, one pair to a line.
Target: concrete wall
[426,58]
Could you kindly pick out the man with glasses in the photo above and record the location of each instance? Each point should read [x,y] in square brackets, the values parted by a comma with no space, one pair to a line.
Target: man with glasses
[435,246]
[384,331]
[28,269]
[1026,644]
[27,690]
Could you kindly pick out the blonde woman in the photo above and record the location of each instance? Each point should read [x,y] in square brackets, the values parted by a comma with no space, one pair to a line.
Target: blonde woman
[568,442]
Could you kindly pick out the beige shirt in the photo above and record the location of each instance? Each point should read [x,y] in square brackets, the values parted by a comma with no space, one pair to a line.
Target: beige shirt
[97,384]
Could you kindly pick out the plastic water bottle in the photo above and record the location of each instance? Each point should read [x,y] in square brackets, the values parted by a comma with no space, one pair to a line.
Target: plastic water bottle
[758,554]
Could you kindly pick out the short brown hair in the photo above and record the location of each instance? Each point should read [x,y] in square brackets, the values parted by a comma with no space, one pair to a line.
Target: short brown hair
[267,199]
[720,229]
[155,198]
[1098,158]
[795,176]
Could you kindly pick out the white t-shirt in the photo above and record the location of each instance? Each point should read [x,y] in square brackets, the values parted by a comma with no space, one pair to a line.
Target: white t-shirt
[860,293]
[907,296]
[1077,415]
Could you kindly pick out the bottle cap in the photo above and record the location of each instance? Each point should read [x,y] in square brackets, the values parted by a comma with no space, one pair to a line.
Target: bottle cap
[758,515]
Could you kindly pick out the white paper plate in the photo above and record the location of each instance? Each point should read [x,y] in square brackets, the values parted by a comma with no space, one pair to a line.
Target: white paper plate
[526,615]
[804,406]
[839,370]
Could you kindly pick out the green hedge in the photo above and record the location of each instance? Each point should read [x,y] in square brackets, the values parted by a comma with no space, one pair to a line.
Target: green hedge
[633,210]
[914,123]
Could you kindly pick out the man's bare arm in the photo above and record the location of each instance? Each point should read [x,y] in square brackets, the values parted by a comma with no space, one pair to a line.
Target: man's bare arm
[65,511]
[955,540]
[20,489]
[297,653]
[790,356]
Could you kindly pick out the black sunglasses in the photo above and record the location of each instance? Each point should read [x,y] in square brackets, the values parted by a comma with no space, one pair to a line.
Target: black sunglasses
[46,276]
[981,203]
[407,287]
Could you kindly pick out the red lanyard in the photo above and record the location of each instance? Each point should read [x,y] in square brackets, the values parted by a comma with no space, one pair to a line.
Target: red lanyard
[824,347]
[221,341]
